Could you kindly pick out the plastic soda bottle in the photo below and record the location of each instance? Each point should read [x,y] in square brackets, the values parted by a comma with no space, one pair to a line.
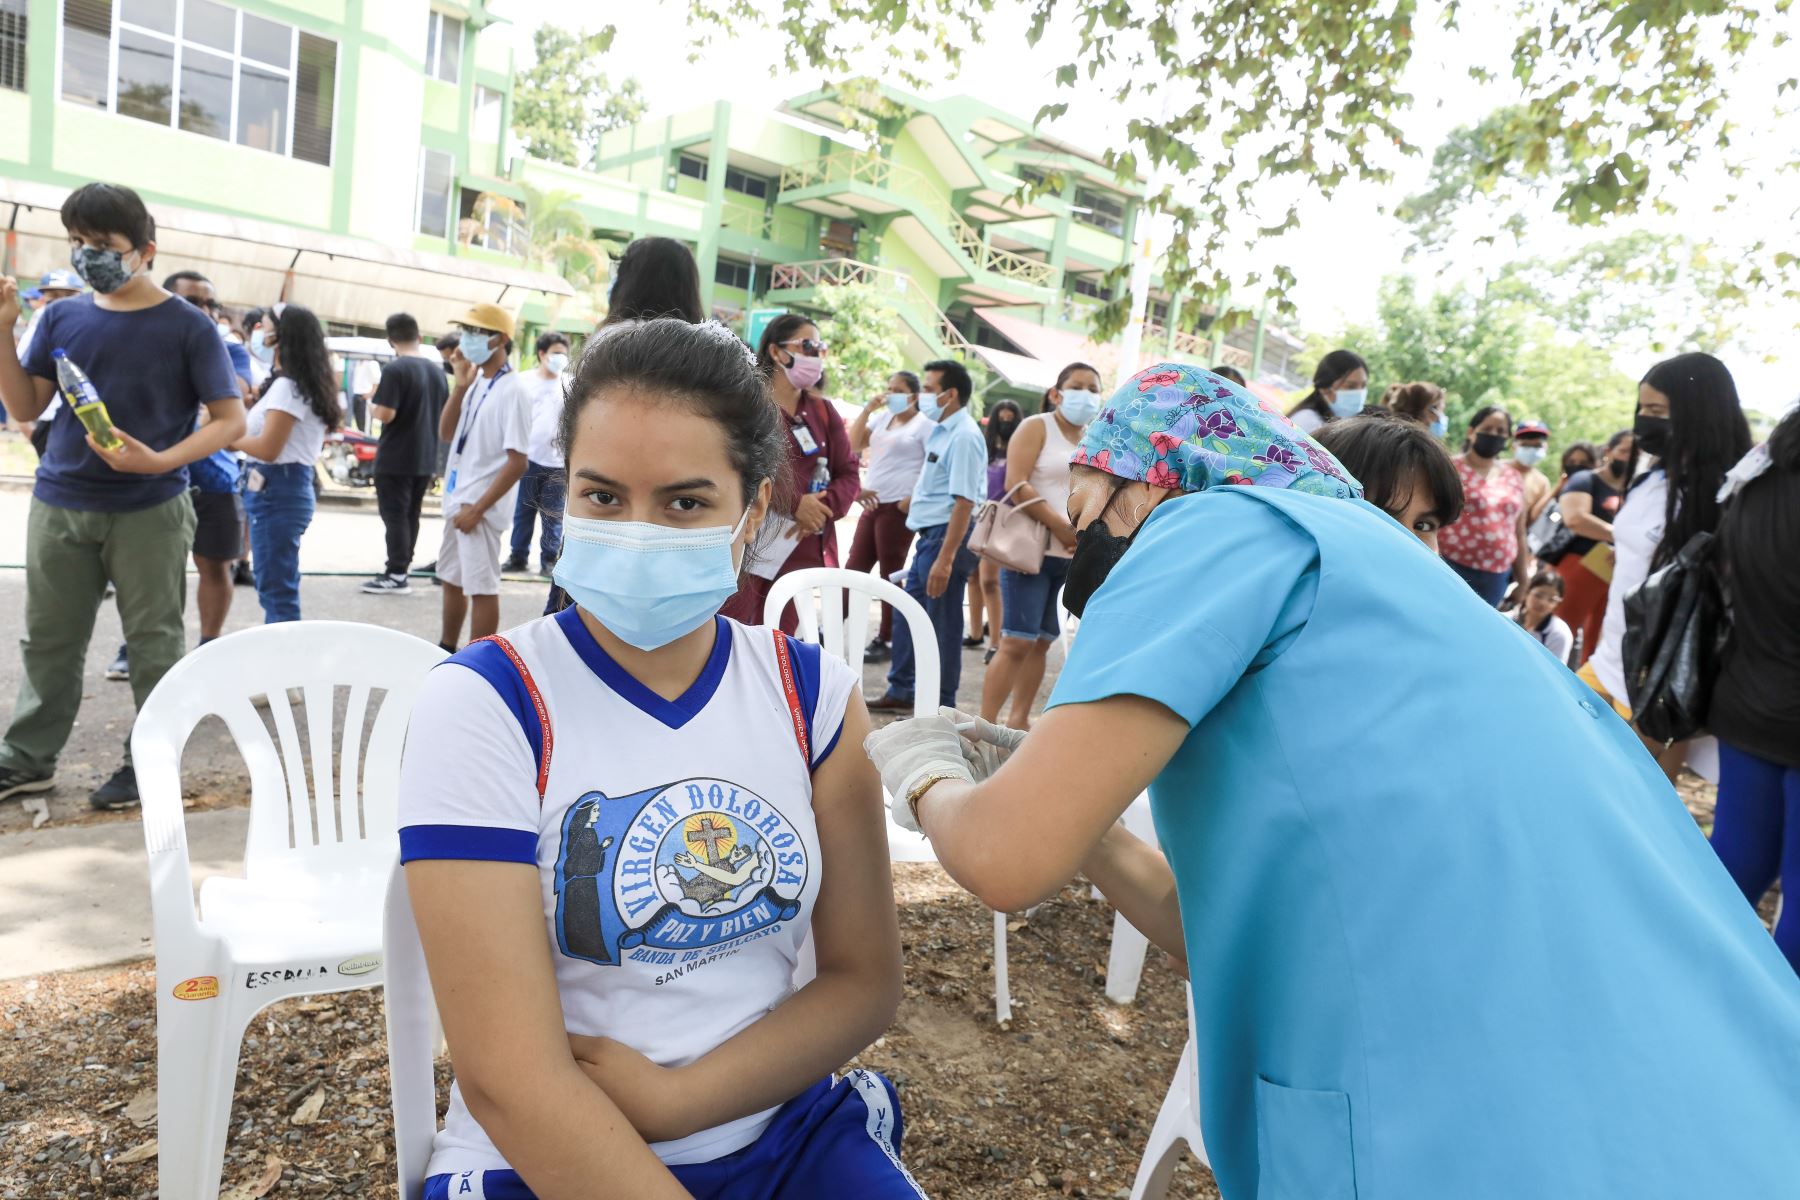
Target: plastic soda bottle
[84,401]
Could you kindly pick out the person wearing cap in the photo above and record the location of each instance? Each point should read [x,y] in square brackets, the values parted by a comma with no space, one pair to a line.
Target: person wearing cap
[487,422]
[1531,441]
[1416,971]
[58,283]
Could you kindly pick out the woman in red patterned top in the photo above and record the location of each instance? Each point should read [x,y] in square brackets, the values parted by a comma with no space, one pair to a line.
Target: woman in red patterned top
[1486,545]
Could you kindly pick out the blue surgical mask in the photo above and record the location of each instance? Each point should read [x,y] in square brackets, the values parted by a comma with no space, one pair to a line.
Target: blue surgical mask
[1441,426]
[1529,456]
[648,584]
[474,345]
[1079,407]
[1349,402]
[259,346]
[931,406]
[898,402]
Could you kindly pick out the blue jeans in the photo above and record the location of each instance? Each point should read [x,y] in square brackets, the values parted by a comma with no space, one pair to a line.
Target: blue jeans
[1489,585]
[946,613]
[540,491]
[1028,603]
[279,515]
[1756,834]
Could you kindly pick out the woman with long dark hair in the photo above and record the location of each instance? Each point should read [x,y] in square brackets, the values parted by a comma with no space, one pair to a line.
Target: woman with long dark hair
[1756,702]
[1689,420]
[1486,545]
[655,277]
[1002,421]
[824,474]
[287,427]
[1340,389]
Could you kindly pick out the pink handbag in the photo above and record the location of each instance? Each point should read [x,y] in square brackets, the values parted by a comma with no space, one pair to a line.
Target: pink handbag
[1005,534]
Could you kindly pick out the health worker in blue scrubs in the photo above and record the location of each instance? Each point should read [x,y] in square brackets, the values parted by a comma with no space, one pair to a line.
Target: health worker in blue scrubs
[1449,931]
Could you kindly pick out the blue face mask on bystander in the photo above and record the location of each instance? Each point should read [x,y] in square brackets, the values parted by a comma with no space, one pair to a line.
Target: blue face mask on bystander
[474,345]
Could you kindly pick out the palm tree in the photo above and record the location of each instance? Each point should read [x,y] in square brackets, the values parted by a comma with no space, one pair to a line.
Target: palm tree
[549,232]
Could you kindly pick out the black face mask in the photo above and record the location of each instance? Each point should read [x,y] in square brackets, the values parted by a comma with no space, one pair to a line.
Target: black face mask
[1650,435]
[1097,551]
[1489,445]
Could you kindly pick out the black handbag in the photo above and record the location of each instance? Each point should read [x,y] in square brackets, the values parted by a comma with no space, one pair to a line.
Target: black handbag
[1676,626]
[1549,537]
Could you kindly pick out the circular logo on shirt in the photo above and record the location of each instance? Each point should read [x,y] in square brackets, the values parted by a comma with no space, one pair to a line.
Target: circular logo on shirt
[691,865]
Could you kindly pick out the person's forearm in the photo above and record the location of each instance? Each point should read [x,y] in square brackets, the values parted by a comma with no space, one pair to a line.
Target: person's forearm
[452,412]
[511,473]
[968,836]
[1136,878]
[813,1033]
[564,1135]
[1589,527]
[955,531]
[219,432]
[17,391]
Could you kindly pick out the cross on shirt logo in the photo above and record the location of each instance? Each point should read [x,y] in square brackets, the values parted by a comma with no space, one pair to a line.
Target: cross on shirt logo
[708,834]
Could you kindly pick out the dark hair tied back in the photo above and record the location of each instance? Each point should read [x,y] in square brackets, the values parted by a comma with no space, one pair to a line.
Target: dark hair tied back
[703,368]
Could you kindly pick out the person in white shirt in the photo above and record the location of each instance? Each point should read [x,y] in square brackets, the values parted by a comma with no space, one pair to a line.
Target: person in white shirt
[658,828]
[487,422]
[890,435]
[284,433]
[541,490]
[59,283]
[1537,615]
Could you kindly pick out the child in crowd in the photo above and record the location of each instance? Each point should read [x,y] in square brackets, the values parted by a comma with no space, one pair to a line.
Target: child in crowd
[1538,614]
[660,812]
[1403,468]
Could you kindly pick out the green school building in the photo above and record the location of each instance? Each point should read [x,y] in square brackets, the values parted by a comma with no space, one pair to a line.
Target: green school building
[332,152]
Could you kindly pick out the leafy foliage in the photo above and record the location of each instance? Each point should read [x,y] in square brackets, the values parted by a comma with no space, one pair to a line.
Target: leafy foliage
[1489,347]
[565,101]
[1618,99]
[863,330]
[549,232]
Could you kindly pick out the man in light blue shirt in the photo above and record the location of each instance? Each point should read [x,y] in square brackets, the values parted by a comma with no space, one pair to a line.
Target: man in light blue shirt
[941,511]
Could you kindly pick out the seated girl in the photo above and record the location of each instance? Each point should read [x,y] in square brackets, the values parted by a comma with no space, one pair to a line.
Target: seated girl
[1404,470]
[622,823]
[1538,614]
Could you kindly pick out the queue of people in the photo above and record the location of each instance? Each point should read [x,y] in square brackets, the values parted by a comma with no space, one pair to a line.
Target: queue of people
[1331,898]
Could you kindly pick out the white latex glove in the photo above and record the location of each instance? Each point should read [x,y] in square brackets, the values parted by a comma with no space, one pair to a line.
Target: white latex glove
[906,751]
[985,745]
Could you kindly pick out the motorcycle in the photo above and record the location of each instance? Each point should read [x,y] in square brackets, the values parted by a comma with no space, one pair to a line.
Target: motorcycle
[348,458]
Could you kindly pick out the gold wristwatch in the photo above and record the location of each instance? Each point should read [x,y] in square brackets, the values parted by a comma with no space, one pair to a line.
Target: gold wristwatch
[920,788]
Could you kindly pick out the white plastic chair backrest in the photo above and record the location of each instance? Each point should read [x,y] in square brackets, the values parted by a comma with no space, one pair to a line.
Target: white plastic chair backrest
[326,798]
[833,609]
[411,1037]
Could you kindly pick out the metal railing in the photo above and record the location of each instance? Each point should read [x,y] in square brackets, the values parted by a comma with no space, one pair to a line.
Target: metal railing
[842,272]
[745,221]
[1181,342]
[925,199]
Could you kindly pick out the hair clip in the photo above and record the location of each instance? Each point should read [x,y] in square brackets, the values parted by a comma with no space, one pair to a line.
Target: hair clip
[720,331]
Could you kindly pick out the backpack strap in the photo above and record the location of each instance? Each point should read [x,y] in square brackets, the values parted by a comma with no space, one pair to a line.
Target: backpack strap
[537,702]
[791,689]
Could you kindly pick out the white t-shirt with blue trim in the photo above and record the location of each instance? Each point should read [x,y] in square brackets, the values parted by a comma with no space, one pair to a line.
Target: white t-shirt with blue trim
[675,839]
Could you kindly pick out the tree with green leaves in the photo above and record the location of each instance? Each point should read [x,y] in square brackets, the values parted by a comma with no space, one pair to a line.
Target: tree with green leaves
[566,100]
[862,328]
[1620,99]
[550,232]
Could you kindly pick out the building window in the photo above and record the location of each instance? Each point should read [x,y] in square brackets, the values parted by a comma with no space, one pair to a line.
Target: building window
[443,47]
[203,67]
[12,44]
[693,168]
[488,106]
[1102,210]
[732,274]
[746,183]
[437,169]
[1089,285]
[1159,311]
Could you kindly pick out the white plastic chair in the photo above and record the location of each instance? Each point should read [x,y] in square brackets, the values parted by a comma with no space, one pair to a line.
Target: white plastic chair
[412,1037]
[832,606]
[304,916]
[1177,1121]
[1125,961]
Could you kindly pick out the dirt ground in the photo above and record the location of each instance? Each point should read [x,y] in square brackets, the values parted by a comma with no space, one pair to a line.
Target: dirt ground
[1059,1103]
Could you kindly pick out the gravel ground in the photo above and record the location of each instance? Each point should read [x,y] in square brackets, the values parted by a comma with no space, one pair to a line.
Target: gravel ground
[1059,1102]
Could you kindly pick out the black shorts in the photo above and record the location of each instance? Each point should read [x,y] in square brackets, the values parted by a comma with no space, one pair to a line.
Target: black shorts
[218,525]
